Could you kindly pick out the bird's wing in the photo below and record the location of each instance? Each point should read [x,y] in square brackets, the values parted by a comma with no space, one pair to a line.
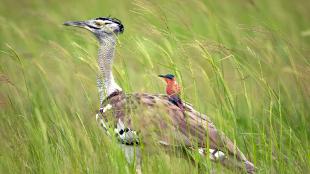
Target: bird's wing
[154,119]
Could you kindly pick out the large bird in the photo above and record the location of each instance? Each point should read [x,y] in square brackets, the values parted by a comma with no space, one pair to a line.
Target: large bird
[141,118]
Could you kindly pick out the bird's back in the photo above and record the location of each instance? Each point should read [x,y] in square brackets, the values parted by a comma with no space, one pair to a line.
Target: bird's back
[152,119]
[155,118]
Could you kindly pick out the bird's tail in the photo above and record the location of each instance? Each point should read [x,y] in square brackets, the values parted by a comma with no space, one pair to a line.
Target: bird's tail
[175,99]
[227,161]
[235,154]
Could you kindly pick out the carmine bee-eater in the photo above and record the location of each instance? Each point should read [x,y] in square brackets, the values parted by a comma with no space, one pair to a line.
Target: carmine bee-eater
[173,90]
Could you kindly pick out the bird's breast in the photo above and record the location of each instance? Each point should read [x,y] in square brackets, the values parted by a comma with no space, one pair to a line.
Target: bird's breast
[172,89]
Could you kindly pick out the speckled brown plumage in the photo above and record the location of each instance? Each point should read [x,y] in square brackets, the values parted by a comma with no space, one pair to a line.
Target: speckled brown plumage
[156,119]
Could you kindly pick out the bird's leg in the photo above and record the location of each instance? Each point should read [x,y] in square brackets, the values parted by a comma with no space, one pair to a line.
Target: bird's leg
[133,156]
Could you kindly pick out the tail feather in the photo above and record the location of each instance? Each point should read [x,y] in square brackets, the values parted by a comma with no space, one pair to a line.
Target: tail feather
[175,99]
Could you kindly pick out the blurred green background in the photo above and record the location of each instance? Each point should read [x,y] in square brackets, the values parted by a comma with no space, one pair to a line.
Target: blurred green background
[244,63]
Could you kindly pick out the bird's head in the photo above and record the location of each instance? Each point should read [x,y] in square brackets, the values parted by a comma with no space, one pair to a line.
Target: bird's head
[100,27]
[168,78]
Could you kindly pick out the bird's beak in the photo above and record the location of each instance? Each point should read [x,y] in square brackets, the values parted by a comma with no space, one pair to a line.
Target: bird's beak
[163,76]
[81,24]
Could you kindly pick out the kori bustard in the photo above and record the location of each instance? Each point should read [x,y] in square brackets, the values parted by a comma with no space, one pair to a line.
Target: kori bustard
[138,118]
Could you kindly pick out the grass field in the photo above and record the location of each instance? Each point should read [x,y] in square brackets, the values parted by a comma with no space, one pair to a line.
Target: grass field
[244,63]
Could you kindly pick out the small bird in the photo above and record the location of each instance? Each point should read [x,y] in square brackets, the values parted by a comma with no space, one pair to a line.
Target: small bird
[173,90]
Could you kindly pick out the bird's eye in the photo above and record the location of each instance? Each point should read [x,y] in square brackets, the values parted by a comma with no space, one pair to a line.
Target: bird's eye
[99,23]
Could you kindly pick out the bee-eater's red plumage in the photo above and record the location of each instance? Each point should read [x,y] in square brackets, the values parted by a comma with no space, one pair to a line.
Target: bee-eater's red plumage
[172,87]
[173,91]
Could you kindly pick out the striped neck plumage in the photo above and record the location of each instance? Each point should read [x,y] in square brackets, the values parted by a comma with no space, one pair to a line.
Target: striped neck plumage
[105,62]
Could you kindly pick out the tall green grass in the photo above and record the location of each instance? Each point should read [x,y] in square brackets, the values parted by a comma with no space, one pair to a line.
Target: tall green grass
[244,63]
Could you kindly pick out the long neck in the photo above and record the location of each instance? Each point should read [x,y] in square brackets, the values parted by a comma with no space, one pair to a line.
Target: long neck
[105,61]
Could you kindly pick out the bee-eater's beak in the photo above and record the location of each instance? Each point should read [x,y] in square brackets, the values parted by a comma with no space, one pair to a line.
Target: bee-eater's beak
[163,76]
